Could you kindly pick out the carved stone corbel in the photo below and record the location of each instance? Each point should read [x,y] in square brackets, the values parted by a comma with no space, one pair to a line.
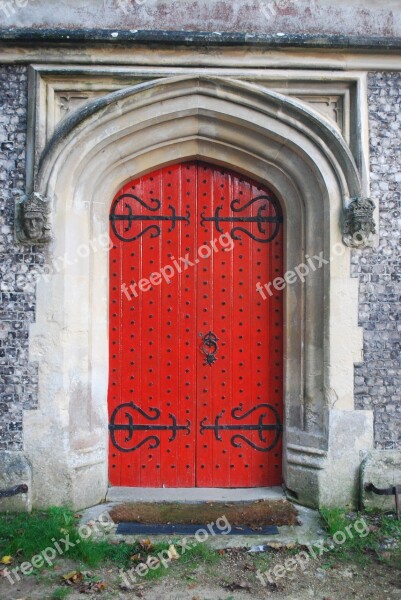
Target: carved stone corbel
[32,219]
[359,226]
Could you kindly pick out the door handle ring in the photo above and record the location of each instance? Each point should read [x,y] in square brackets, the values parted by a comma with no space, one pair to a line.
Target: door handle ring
[209,348]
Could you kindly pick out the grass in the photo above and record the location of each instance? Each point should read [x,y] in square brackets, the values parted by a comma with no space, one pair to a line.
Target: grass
[336,521]
[365,535]
[199,554]
[189,561]
[61,593]
[261,560]
[23,536]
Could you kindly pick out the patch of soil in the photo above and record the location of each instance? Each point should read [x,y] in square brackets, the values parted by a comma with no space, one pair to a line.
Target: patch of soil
[239,514]
[233,578]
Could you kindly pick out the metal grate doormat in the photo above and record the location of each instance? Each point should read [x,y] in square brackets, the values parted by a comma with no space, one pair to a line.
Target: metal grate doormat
[170,529]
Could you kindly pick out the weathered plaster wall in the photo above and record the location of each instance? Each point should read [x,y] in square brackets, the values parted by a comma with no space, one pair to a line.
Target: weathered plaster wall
[378,379]
[347,17]
[18,379]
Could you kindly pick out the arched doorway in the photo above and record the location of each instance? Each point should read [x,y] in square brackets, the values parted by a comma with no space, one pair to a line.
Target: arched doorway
[257,132]
[196,353]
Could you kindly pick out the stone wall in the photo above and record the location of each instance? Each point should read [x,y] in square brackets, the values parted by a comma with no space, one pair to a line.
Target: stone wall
[320,17]
[378,379]
[18,379]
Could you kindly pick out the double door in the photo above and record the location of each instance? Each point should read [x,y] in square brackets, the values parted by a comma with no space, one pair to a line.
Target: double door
[196,357]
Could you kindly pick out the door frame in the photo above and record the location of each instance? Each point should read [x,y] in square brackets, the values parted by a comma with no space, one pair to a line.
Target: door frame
[271,138]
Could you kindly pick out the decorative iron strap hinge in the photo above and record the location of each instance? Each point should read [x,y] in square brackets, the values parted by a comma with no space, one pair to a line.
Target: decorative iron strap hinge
[261,427]
[127,411]
[129,217]
[260,219]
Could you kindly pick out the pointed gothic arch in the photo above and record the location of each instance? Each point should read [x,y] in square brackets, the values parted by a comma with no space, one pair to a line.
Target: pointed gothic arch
[270,137]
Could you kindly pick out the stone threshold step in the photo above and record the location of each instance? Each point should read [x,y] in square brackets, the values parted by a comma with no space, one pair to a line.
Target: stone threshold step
[193,495]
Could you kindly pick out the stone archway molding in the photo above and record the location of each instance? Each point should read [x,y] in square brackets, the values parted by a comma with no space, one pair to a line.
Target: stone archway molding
[286,110]
[270,137]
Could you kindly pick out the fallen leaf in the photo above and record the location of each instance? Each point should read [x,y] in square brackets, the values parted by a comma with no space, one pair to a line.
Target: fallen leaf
[242,585]
[90,587]
[136,557]
[6,560]
[281,545]
[173,552]
[146,545]
[73,578]
[101,585]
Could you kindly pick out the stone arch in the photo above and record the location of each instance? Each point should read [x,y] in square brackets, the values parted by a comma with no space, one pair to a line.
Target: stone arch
[263,134]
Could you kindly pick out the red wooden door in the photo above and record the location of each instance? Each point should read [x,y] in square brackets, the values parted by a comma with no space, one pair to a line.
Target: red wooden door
[195,378]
